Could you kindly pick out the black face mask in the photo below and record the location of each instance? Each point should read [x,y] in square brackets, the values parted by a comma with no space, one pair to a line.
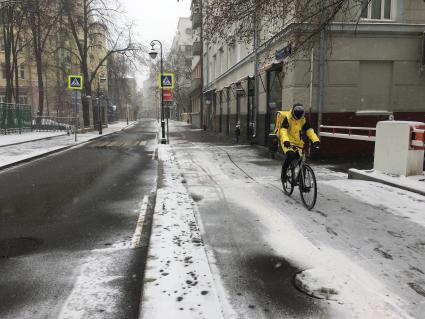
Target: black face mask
[297,114]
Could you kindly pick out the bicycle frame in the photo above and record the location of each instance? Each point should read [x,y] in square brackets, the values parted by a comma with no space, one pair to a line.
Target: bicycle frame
[298,163]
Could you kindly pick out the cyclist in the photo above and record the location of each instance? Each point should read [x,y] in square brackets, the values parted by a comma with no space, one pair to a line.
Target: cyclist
[290,126]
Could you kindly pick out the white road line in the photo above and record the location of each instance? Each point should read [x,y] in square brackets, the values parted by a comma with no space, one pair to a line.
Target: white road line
[142,143]
[135,241]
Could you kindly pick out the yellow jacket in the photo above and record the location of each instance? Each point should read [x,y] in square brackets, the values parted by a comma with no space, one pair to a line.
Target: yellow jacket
[290,129]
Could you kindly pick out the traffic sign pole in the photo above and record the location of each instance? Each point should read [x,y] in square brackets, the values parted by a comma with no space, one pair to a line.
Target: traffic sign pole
[75,83]
[76,115]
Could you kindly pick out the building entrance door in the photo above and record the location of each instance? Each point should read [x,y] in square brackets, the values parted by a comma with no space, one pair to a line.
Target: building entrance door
[228,111]
[274,98]
[220,124]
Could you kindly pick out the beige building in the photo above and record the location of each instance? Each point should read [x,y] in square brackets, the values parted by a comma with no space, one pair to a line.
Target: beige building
[374,65]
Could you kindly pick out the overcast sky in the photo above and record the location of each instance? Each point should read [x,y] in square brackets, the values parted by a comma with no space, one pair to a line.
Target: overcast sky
[156,19]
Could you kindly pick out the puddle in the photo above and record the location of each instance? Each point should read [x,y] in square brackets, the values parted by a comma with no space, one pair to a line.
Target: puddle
[15,247]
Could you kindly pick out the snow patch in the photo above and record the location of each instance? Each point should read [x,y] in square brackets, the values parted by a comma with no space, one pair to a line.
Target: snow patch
[94,294]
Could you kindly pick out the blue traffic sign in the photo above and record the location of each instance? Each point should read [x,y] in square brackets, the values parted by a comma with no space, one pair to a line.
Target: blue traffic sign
[75,82]
[166,81]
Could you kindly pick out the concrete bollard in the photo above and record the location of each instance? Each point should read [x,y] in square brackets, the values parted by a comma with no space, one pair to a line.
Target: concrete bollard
[393,151]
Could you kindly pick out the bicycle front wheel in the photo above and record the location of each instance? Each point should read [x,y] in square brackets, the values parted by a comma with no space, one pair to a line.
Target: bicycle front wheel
[308,187]
[287,183]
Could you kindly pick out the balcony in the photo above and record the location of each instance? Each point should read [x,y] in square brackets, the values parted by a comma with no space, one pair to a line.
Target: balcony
[196,20]
[197,48]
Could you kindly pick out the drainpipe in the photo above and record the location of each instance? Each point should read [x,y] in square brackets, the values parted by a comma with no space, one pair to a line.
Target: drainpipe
[201,61]
[256,74]
[321,72]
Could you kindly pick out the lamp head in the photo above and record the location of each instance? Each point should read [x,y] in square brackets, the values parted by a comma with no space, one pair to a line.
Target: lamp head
[153,54]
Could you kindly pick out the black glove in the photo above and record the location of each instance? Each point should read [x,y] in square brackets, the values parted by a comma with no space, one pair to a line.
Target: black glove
[316,145]
[286,144]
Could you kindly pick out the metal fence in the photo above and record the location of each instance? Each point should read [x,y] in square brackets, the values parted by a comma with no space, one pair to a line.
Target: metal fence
[15,118]
[53,123]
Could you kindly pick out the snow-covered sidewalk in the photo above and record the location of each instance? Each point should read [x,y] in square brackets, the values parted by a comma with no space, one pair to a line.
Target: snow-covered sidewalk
[414,184]
[178,281]
[11,139]
[33,146]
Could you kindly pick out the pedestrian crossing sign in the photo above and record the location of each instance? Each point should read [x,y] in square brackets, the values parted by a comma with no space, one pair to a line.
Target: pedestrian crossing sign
[75,82]
[166,81]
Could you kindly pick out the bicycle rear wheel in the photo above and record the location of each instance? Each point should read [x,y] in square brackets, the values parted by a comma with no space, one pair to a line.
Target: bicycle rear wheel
[288,184]
[308,187]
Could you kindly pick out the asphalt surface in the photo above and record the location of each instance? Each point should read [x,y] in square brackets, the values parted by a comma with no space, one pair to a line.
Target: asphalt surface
[65,224]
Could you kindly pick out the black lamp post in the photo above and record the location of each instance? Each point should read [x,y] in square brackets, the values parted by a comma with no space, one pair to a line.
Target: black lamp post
[153,54]
[101,79]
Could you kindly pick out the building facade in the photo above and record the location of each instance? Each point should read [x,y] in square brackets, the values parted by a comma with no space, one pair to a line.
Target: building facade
[373,64]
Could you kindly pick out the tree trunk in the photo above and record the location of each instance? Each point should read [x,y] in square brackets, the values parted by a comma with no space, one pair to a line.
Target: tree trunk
[40,81]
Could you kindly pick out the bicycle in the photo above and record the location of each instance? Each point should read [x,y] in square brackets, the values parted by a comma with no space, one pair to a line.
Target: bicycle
[300,174]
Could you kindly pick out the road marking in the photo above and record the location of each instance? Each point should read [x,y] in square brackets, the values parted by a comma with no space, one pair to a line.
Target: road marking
[142,143]
[135,241]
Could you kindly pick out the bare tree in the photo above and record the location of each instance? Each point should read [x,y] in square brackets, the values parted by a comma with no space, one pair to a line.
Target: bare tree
[84,21]
[42,17]
[13,32]
[239,20]
[181,66]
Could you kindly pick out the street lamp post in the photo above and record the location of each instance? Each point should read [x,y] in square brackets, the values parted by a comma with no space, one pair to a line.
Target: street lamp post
[153,54]
[99,109]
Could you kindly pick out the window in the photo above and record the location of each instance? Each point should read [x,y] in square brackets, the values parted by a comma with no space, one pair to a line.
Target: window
[214,67]
[22,71]
[377,9]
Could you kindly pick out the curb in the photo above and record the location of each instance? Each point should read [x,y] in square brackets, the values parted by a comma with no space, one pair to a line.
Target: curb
[358,175]
[29,159]
[147,231]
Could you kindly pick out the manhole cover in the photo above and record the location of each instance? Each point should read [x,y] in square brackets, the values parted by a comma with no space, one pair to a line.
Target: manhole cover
[17,247]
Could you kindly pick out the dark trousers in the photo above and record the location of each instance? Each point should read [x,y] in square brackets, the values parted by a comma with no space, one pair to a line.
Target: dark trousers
[289,157]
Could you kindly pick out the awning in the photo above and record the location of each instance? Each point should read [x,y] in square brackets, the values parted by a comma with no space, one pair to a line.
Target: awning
[271,67]
[245,78]
[210,91]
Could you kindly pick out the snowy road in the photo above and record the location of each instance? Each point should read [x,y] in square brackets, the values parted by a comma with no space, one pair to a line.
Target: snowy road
[362,246]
